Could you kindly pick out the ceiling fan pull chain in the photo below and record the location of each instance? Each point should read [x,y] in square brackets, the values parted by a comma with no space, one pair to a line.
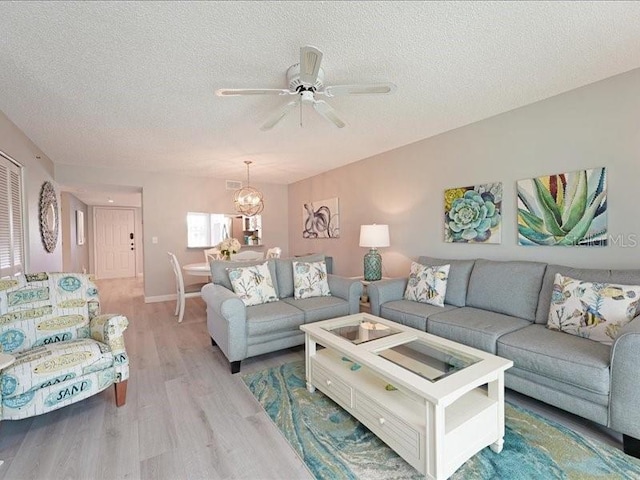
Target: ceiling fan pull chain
[300,114]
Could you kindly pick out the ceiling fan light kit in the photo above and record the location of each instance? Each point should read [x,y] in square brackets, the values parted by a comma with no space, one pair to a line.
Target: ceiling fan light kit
[306,80]
[248,200]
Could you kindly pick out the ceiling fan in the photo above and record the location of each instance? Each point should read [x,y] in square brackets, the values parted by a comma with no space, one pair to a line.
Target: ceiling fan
[306,81]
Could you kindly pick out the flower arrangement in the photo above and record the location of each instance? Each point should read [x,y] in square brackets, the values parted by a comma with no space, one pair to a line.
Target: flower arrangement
[229,246]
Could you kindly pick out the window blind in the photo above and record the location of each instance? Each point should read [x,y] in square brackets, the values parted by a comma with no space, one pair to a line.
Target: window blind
[11,218]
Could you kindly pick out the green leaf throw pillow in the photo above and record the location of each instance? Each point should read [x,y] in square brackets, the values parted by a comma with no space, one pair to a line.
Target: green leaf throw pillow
[253,284]
[427,284]
[592,310]
[310,280]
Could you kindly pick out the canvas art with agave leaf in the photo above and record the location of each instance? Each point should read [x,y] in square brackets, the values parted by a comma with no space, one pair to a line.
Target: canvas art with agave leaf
[566,209]
[472,214]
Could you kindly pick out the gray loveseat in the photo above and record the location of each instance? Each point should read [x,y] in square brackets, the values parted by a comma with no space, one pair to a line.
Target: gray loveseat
[502,308]
[242,332]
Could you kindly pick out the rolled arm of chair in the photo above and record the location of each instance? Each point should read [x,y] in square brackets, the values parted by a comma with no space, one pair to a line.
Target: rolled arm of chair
[348,289]
[109,328]
[385,291]
[625,389]
[226,320]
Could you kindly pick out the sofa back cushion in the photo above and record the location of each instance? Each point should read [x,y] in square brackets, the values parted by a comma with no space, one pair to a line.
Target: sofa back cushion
[220,274]
[623,277]
[458,280]
[284,271]
[511,288]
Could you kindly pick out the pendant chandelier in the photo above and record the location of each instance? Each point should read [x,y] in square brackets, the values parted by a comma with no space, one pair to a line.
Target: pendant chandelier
[248,200]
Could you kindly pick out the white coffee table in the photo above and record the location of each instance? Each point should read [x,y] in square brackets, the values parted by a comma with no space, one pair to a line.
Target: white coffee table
[435,402]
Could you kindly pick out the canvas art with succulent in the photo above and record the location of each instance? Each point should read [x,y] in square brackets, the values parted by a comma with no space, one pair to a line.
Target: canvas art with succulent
[473,214]
[565,209]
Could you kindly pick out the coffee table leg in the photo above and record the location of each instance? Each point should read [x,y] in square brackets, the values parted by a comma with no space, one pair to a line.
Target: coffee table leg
[497,446]
[309,351]
[496,392]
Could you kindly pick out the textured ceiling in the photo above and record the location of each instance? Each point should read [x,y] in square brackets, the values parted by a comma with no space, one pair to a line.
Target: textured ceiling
[130,84]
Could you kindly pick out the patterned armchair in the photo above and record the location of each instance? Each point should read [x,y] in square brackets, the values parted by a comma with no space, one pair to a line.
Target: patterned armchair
[65,350]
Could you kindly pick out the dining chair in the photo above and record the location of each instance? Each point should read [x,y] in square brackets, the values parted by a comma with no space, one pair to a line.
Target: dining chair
[273,252]
[183,291]
[213,254]
[247,255]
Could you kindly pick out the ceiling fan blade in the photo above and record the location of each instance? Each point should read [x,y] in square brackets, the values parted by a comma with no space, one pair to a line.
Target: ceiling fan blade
[374,88]
[231,92]
[310,59]
[327,111]
[279,115]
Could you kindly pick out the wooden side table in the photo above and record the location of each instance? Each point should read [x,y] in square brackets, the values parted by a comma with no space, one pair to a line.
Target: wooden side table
[5,361]
[365,305]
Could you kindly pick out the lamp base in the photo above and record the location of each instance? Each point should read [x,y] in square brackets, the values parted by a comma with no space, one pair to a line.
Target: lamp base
[372,266]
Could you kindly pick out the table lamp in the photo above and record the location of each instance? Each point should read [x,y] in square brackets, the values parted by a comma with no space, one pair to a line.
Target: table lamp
[373,236]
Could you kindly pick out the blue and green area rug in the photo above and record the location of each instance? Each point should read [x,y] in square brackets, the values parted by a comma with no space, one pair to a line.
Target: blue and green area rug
[334,445]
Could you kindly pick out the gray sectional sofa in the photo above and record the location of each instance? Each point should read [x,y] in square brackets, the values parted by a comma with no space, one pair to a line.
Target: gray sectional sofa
[502,308]
[242,332]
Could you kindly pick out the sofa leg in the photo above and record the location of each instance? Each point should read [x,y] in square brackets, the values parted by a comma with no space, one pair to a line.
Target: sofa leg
[121,393]
[235,366]
[213,342]
[631,446]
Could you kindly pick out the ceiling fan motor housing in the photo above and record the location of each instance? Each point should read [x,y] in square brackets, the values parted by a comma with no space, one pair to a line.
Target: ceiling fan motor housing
[295,85]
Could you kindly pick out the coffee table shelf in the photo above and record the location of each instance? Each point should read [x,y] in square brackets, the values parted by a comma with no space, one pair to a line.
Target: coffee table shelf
[434,425]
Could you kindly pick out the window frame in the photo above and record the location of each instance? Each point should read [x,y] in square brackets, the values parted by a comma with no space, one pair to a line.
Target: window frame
[13,268]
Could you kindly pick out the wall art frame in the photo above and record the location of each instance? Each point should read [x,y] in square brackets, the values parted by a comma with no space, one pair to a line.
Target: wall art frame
[49,217]
[565,209]
[473,214]
[321,219]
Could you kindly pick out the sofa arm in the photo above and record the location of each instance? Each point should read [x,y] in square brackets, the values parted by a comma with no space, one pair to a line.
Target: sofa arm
[109,328]
[624,388]
[385,291]
[226,320]
[348,289]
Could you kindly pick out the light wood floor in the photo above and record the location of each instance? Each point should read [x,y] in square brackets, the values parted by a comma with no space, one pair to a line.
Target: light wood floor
[186,416]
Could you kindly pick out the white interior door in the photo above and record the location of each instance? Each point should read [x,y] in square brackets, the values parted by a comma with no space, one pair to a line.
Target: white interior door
[115,247]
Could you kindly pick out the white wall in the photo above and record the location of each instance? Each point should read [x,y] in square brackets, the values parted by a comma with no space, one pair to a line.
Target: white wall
[36,171]
[166,199]
[596,125]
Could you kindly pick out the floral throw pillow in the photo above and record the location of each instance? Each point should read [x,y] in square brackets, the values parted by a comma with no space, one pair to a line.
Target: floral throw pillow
[253,284]
[310,280]
[592,310]
[427,284]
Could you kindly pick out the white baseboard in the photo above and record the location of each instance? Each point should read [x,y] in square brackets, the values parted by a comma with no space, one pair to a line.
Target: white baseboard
[161,298]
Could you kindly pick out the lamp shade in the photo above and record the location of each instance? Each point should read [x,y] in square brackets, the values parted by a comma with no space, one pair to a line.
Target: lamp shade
[374,236]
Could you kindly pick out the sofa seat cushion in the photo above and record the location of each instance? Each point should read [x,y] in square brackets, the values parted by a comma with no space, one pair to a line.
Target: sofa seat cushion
[319,308]
[52,364]
[573,360]
[409,313]
[273,317]
[474,327]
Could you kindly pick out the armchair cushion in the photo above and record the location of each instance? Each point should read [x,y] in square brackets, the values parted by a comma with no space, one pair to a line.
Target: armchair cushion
[52,364]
